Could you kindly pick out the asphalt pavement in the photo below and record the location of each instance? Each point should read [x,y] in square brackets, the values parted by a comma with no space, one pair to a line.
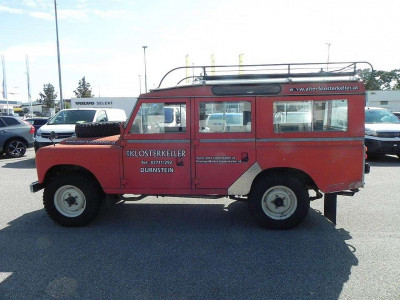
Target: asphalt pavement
[175,248]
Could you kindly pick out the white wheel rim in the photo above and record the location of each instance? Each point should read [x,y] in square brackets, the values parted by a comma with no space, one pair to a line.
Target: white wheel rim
[69,201]
[279,202]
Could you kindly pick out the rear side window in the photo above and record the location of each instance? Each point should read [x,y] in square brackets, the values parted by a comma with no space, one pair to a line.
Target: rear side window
[307,116]
[225,117]
[10,121]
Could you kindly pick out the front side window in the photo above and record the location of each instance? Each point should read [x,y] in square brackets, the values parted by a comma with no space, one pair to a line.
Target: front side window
[102,116]
[225,117]
[160,118]
[307,116]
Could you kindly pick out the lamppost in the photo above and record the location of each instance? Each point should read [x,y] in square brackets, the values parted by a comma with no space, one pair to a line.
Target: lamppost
[58,58]
[145,72]
[140,85]
[327,62]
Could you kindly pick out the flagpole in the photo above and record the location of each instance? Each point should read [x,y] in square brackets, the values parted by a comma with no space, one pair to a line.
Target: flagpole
[4,80]
[29,85]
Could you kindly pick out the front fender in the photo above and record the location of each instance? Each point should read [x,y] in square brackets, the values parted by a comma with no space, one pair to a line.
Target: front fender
[102,161]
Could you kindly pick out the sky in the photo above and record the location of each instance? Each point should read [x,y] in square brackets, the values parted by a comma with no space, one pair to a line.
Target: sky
[103,39]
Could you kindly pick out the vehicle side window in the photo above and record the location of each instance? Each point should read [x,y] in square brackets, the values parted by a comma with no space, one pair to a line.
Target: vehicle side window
[10,121]
[160,118]
[307,116]
[225,117]
[2,124]
[102,116]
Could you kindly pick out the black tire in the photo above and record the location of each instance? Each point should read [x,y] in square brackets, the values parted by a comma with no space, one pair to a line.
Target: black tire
[279,201]
[73,199]
[15,148]
[97,129]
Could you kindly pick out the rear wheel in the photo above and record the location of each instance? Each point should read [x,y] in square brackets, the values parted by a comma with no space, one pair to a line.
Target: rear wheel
[15,148]
[73,199]
[279,201]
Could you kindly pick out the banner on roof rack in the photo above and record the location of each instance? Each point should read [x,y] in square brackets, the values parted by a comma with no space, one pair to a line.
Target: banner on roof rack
[324,88]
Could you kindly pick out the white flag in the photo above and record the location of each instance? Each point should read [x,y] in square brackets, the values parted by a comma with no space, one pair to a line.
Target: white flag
[4,78]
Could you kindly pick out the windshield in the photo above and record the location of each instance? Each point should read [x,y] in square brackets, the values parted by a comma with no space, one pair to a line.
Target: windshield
[73,117]
[380,116]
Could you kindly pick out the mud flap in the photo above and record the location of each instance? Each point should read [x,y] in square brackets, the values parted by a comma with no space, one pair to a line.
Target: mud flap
[330,206]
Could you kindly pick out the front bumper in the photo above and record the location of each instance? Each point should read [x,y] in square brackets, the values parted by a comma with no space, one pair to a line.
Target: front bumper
[38,145]
[35,186]
[382,147]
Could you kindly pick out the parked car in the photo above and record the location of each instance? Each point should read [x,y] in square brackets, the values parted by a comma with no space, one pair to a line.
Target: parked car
[382,131]
[15,136]
[63,123]
[37,122]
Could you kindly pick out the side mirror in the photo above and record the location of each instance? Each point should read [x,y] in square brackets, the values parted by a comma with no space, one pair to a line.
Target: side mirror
[52,137]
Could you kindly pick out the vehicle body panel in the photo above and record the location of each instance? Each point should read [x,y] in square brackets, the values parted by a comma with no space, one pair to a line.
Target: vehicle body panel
[85,153]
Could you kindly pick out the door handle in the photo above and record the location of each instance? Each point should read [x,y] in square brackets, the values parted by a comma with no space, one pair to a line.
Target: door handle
[245,157]
[3,131]
[179,161]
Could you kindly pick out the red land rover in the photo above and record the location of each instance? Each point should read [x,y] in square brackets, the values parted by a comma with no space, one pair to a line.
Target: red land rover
[276,136]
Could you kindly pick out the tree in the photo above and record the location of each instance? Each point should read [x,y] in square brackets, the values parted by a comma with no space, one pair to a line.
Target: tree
[48,96]
[380,80]
[84,90]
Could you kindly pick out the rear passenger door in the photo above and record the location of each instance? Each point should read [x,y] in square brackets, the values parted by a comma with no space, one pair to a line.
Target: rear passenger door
[224,143]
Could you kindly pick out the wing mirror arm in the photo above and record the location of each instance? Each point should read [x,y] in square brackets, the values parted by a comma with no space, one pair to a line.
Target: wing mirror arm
[52,137]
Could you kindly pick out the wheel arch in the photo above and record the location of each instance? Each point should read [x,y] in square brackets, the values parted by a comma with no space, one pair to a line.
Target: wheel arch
[16,137]
[301,175]
[58,169]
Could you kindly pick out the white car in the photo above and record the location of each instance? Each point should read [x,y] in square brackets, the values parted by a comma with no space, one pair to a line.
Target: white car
[63,123]
[382,131]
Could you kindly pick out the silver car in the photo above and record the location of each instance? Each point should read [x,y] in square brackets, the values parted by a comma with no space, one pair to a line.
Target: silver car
[16,135]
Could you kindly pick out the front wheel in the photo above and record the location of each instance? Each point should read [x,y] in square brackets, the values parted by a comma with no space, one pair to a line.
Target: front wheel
[279,201]
[72,199]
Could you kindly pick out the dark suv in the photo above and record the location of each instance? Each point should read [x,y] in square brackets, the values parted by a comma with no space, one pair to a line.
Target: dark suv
[15,136]
[37,122]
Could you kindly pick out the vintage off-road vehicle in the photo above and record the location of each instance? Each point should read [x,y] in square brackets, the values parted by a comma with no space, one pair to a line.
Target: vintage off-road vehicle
[276,136]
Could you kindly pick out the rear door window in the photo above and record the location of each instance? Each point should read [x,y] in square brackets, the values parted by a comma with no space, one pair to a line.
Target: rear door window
[225,117]
[10,121]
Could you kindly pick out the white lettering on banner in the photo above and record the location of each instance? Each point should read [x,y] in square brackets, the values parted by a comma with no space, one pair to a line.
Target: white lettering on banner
[324,88]
[92,103]
[156,153]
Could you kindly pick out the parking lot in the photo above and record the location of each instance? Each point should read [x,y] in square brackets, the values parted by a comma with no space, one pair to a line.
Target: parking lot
[174,248]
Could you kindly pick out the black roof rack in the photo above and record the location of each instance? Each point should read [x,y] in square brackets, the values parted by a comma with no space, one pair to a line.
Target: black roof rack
[265,72]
